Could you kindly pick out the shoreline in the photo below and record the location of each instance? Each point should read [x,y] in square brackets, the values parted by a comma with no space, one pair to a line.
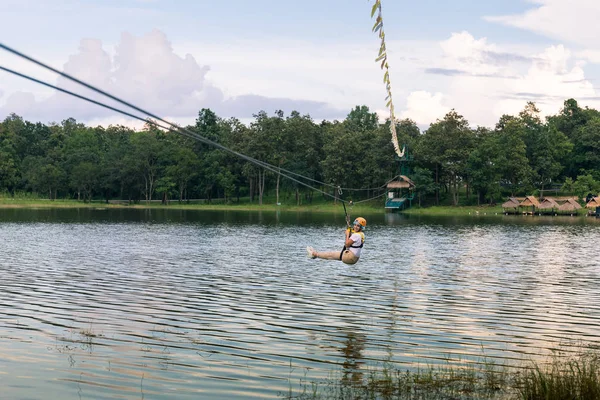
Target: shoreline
[479,211]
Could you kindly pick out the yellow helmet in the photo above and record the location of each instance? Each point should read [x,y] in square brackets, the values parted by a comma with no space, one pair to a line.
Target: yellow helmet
[360,221]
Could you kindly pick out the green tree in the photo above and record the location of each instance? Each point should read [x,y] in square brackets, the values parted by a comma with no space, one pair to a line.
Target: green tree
[570,121]
[184,170]
[546,147]
[424,182]
[446,146]
[9,161]
[482,166]
[511,154]
[341,147]
[568,186]
[586,184]
[304,150]
[82,158]
[145,158]
[586,140]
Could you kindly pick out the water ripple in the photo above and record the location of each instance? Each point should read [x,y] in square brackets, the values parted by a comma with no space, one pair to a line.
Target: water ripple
[129,310]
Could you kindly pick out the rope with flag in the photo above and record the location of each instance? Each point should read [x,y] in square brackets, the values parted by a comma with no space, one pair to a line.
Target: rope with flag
[383,58]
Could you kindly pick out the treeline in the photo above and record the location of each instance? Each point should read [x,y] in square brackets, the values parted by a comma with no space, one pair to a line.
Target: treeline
[453,163]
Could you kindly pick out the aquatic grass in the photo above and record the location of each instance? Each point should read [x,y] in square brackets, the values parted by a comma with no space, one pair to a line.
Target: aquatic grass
[575,377]
[563,377]
[472,381]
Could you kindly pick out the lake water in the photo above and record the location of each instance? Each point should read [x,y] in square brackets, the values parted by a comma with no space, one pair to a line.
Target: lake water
[131,304]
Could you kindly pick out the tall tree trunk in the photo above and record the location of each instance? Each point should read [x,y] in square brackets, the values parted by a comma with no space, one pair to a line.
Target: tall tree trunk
[146,188]
[437,185]
[277,187]
[456,190]
[261,186]
[151,180]
[468,191]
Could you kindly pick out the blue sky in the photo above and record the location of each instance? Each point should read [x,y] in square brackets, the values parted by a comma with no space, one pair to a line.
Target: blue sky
[483,58]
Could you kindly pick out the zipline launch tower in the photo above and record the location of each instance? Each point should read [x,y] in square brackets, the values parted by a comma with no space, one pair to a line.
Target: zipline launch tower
[401,191]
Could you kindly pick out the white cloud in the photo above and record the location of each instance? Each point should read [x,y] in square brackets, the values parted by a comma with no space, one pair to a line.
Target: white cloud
[485,80]
[549,81]
[462,52]
[146,71]
[480,79]
[592,56]
[424,107]
[574,21]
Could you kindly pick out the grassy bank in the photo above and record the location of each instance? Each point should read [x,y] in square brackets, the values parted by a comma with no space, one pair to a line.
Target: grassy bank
[317,206]
[269,204]
[454,210]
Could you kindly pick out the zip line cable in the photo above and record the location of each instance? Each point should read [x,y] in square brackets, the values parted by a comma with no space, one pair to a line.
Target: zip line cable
[104,93]
[93,88]
[174,127]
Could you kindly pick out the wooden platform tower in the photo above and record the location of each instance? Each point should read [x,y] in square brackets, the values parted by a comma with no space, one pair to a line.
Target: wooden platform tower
[401,191]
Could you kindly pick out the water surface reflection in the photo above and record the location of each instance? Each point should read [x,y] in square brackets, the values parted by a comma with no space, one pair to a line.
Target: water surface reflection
[159,304]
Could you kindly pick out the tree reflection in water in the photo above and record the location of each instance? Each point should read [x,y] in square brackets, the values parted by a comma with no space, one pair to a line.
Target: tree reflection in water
[353,348]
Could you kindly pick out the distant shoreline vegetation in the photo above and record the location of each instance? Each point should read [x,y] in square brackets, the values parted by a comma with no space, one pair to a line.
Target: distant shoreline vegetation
[450,163]
[330,207]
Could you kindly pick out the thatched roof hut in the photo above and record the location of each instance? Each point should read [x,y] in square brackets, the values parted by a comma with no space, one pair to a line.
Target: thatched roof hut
[548,204]
[403,182]
[511,203]
[593,203]
[530,201]
[569,205]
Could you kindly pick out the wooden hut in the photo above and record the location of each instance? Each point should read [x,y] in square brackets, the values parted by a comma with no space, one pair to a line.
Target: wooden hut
[548,206]
[400,193]
[593,203]
[569,207]
[511,206]
[594,206]
[529,205]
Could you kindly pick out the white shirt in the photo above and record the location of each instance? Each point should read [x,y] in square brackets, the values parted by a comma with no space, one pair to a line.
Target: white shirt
[355,237]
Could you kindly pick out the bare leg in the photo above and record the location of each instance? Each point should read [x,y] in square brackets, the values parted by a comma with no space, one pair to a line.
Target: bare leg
[328,255]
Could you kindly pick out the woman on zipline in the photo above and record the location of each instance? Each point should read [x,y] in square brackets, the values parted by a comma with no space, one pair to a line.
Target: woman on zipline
[355,239]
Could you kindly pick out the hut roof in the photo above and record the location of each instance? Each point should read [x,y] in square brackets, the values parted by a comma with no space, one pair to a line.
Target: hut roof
[570,205]
[548,203]
[530,201]
[403,182]
[593,203]
[511,203]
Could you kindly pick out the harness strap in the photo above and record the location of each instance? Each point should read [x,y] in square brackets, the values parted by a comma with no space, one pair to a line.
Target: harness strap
[362,241]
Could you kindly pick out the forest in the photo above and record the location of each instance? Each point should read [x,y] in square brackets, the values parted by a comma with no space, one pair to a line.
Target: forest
[452,163]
